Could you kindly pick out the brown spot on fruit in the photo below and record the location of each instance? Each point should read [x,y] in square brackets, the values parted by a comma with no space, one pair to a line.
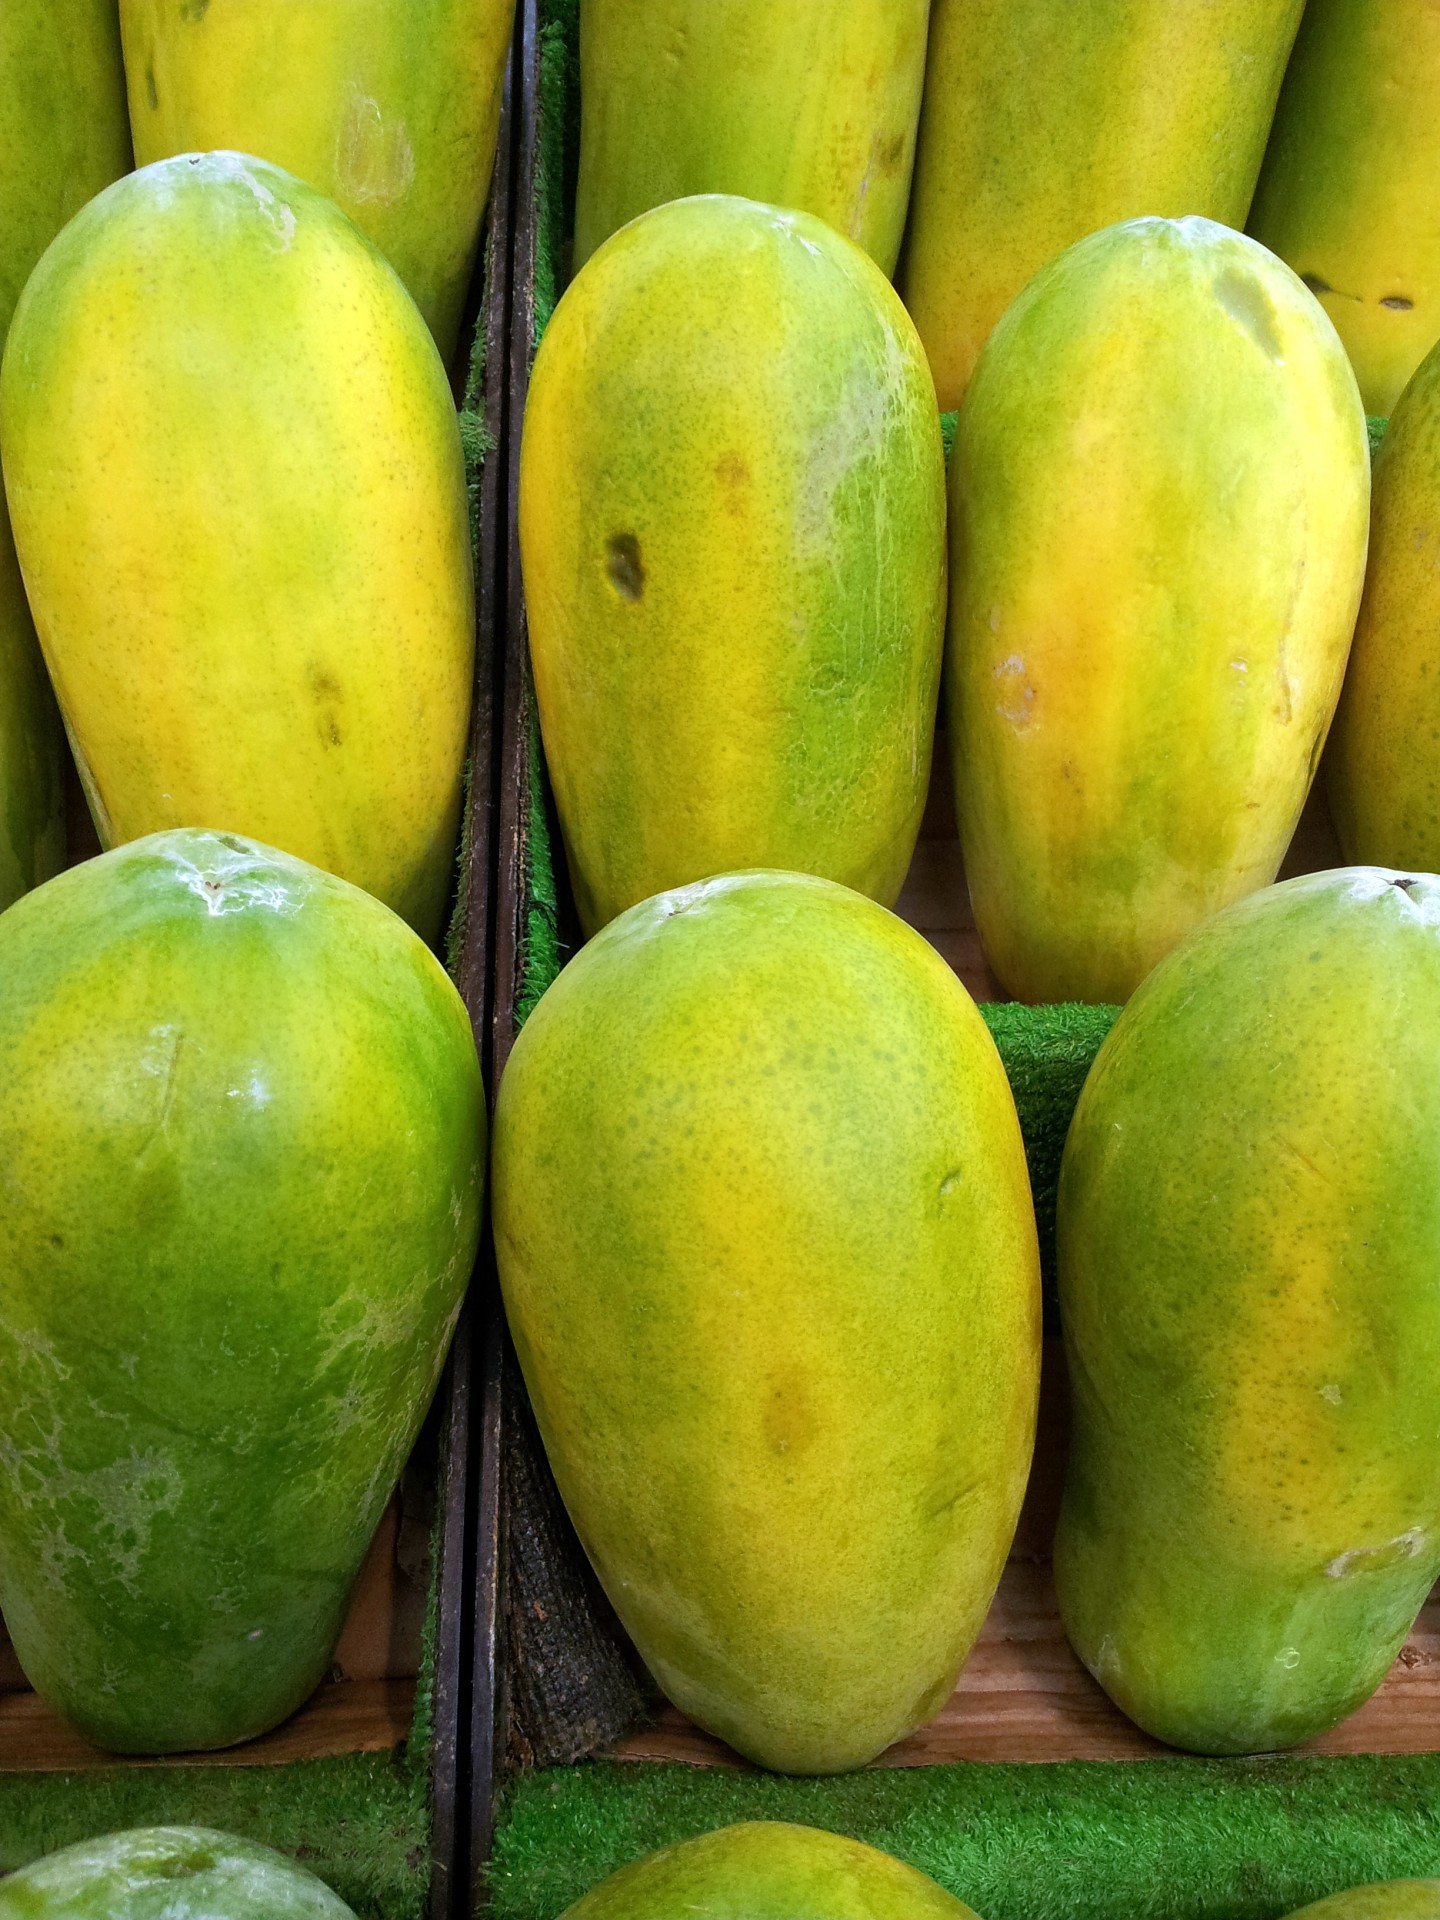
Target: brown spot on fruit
[624,566]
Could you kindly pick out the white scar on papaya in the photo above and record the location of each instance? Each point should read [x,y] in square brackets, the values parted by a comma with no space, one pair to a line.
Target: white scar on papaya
[1405,1546]
[1017,695]
[376,161]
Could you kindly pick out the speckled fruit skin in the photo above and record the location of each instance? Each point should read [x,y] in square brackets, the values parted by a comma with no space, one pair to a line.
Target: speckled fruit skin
[769,1870]
[1248,1231]
[764,1232]
[1384,1900]
[806,105]
[389,107]
[167,1873]
[1154,579]
[241,1161]
[235,475]
[732,524]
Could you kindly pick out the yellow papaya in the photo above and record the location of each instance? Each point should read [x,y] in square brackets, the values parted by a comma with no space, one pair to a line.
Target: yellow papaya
[732,526]
[1381,1900]
[1042,123]
[234,470]
[389,107]
[806,105]
[1351,177]
[1159,495]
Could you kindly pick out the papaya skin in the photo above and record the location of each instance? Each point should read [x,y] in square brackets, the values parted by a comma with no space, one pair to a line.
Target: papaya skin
[1154,580]
[1044,123]
[1351,177]
[1248,1227]
[236,482]
[1383,1900]
[808,105]
[242,1129]
[732,532]
[167,1873]
[764,1233]
[390,108]
[769,1870]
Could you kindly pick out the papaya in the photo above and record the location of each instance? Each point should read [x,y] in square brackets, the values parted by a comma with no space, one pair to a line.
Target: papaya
[1154,583]
[242,1129]
[1384,1900]
[389,107]
[1248,1233]
[768,1870]
[1347,192]
[808,105]
[64,135]
[1043,123]
[732,529]
[764,1234]
[167,1873]
[236,482]
[1382,770]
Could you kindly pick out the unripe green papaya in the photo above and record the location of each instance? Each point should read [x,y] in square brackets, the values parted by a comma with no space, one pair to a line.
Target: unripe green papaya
[769,1870]
[242,1135]
[167,1873]
[805,105]
[235,475]
[1384,1900]
[1351,177]
[732,525]
[1248,1238]
[1159,498]
[1043,123]
[764,1232]
[389,107]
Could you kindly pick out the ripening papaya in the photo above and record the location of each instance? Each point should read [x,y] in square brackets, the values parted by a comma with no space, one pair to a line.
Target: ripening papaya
[807,105]
[1382,1900]
[1154,578]
[732,527]
[235,476]
[389,107]
[1042,123]
[184,1873]
[764,1231]
[1351,177]
[1248,1240]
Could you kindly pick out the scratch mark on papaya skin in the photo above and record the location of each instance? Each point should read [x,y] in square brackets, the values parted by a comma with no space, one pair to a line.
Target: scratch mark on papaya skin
[1393,1553]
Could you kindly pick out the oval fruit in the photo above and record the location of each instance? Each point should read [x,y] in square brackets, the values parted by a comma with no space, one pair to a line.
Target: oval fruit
[1044,123]
[1384,1900]
[769,1870]
[1249,1238]
[242,1129]
[243,525]
[1154,582]
[808,105]
[389,107]
[764,1232]
[178,1873]
[732,513]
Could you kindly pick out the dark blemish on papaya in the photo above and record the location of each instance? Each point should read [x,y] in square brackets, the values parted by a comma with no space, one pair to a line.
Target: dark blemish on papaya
[893,154]
[1316,285]
[151,94]
[732,470]
[623,564]
[57,1240]
[1249,306]
[325,685]
[195,10]
[1397,303]
[333,736]
[1404,884]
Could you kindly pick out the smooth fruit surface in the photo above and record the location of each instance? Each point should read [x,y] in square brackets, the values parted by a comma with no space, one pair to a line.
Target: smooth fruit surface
[732,514]
[1249,1261]
[764,1231]
[1384,1900]
[1154,578]
[167,1873]
[241,1157]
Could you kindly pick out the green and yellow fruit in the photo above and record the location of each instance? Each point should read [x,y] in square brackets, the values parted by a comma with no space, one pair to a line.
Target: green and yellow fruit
[242,1134]
[732,523]
[389,107]
[1158,522]
[1044,123]
[235,475]
[807,105]
[180,1873]
[1384,1900]
[1248,1234]
[765,1237]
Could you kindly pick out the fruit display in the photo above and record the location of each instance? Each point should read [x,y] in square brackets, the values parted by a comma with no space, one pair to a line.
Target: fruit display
[167,1873]
[809,105]
[1388,1900]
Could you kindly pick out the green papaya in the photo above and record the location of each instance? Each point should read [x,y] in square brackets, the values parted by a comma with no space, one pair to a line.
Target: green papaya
[732,527]
[764,1232]
[167,1873]
[389,107]
[768,1870]
[1154,579]
[1385,1900]
[1351,176]
[242,1129]
[806,105]
[243,526]
[64,135]
[1248,1236]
